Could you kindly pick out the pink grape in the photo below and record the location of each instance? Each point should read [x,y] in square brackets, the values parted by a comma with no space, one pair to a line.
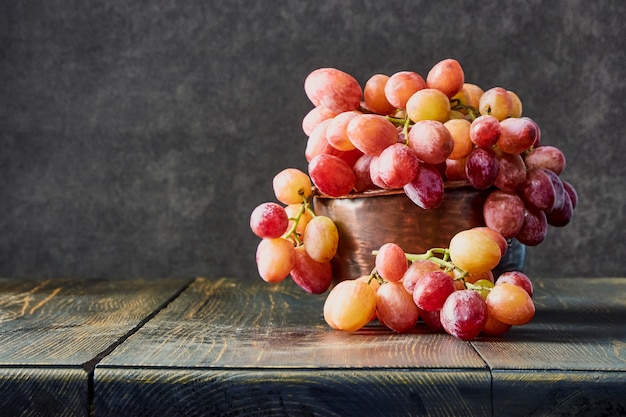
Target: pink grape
[518,278]
[337,131]
[426,189]
[446,76]
[312,276]
[455,170]
[504,212]
[371,133]
[331,175]
[317,144]
[416,271]
[534,229]
[537,190]
[481,168]
[391,262]
[401,86]
[432,290]
[464,314]
[511,171]
[561,216]
[485,131]
[432,319]
[516,135]
[377,179]
[397,165]
[361,169]
[333,89]
[395,307]
[269,220]
[275,258]
[314,117]
[573,195]
[548,157]
[431,141]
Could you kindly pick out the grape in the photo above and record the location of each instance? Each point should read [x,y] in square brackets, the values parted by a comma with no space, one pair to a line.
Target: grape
[275,258]
[417,270]
[482,287]
[517,278]
[548,157]
[431,319]
[391,262]
[269,220]
[561,216]
[538,130]
[569,189]
[395,307]
[481,277]
[374,95]
[426,189]
[510,304]
[481,168]
[372,133]
[292,186]
[516,105]
[474,93]
[431,141]
[331,175]
[559,190]
[397,165]
[516,135]
[317,144]
[504,213]
[496,237]
[537,190]
[511,171]
[495,102]
[314,117]
[446,76]
[295,210]
[455,170]
[350,305]
[428,104]
[485,131]
[312,276]
[321,239]
[459,130]
[534,229]
[494,327]
[337,131]
[333,89]
[474,251]
[401,86]
[375,174]
[432,290]
[361,169]
[464,314]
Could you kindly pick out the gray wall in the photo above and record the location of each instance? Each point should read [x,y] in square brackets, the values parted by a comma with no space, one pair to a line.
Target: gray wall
[137,136]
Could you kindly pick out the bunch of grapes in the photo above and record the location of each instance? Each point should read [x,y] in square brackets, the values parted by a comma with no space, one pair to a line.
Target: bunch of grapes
[408,132]
[294,240]
[450,289]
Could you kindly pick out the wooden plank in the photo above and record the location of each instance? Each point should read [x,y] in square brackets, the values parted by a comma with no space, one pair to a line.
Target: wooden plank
[54,331]
[43,392]
[571,359]
[236,324]
[291,392]
[62,322]
[246,347]
[580,324]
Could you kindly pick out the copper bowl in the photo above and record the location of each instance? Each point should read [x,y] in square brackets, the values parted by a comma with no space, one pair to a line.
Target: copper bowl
[368,220]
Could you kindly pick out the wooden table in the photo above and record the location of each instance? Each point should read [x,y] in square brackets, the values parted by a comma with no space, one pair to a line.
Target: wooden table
[186,347]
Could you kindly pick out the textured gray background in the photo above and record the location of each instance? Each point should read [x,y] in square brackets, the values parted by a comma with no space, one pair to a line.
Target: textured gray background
[137,136]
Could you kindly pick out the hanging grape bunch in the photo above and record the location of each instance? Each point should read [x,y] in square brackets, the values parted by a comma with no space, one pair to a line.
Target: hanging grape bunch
[406,132]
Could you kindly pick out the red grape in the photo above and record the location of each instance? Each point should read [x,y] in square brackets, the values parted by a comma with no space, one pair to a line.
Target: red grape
[391,262]
[548,157]
[516,135]
[269,220]
[446,76]
[485,131]
[395,307]
[331,175]
[312,276]
[397,165]
[371,133]
[464,314]
[504,213]
[401,86]
[518,278]
[431,141]
[333,89]
[426,189]
[432,290]
[481,168]
[534,229]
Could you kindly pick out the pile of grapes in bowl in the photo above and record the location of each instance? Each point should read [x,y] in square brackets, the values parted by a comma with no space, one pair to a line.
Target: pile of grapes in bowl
[420,138]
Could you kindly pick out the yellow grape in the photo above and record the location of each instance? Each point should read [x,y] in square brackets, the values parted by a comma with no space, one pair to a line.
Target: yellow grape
[350,305]
[321,239]
[292,211]
[275,258]
[516,105]
[474,93]
[461,142]
[291,185]
[496,102]
[428,104]
[474,251]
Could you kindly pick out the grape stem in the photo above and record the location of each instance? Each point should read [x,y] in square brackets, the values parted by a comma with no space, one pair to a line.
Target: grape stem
[306,206]
[440,256]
